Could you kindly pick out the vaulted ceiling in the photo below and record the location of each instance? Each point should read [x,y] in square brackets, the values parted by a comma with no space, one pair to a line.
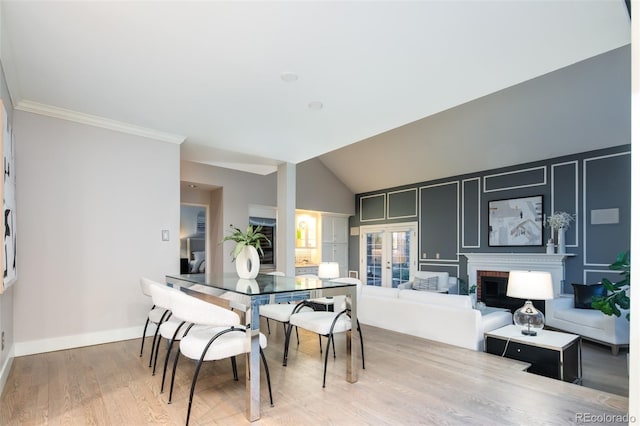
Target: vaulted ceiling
[249,85]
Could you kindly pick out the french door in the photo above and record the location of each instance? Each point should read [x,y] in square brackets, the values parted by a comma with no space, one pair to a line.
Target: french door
[388,253]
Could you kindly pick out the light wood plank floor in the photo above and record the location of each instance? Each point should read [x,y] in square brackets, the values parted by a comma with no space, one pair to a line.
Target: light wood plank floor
[407,381]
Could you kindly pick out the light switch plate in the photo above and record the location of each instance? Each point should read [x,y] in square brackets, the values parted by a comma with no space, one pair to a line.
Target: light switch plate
[165,235]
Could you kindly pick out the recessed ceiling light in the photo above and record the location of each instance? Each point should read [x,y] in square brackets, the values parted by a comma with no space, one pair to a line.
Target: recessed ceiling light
[315,105]
[192,185]
[288,77]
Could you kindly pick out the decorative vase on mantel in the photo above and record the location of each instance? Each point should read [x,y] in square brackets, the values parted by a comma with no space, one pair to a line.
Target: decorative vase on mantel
[561,243]
[551,248]
[248,263]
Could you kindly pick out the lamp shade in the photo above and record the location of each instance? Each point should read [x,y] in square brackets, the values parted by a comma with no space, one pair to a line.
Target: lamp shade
[530,285]
[328,270]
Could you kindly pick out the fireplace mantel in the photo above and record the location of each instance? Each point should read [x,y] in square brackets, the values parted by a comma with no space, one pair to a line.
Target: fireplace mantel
[553,263]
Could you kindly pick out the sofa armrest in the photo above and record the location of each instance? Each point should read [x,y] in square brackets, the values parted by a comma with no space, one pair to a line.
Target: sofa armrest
[405,286]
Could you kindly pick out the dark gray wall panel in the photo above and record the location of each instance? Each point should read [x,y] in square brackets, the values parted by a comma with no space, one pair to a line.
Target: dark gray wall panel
[564,197]
[594,276]
[471,213]
[402,204]
[516,179]
[372,207]
[439,222]
[607,185]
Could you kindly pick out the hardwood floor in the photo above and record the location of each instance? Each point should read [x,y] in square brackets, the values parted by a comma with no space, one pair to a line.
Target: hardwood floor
[407,381]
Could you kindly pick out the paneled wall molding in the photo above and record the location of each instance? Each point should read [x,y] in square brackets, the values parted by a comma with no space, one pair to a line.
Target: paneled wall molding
[476,197]
[435,254]
[576,225]
[598,274]
[370,208]
[587,262]
[396,197]
[536,179]
[452,213]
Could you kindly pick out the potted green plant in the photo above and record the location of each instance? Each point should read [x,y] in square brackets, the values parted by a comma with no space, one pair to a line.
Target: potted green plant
[617,293]
[245,252]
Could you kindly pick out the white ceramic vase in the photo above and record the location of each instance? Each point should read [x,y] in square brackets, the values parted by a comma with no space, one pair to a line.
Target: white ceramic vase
[561,244]
[248,263]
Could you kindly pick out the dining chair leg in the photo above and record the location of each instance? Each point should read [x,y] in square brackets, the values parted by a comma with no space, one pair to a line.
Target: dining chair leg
[166,362]
[268,326]
[333,344]
[320,343]
[144,335]
[164,317]
[266,370]
[155,358]
[234,367]
[193,388]
[286,345]
[326,360]
[173,375]
[361,343]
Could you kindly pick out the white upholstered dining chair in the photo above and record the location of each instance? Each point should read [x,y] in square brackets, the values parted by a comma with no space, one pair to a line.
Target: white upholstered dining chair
[221,337]
[325,323]
[156,316]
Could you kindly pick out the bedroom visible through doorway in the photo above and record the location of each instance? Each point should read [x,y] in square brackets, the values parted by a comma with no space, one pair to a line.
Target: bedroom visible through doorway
[193,239]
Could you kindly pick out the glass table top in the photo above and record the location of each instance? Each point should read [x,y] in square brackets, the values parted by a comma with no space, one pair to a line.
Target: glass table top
[262,284]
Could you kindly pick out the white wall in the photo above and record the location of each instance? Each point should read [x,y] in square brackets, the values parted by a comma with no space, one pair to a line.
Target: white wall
[91,204]
[239,190]
[317,188]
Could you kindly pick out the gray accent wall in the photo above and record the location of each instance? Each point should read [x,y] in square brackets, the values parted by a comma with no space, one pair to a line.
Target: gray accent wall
[453,212]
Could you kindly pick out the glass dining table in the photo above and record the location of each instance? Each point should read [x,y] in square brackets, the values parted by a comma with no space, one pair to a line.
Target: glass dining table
[247,295]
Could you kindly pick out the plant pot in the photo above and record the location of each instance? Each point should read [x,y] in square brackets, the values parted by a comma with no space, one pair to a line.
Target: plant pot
[248,263]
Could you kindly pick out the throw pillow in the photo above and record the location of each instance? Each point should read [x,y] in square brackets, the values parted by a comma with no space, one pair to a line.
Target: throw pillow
[425,284]
[583,294]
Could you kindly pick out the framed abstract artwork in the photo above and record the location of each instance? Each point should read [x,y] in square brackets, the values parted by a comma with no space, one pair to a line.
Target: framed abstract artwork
[9,266]
[516,222]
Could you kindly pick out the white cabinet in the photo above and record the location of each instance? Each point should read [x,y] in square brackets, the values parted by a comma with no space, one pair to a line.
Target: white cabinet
[335,241]
[335,229]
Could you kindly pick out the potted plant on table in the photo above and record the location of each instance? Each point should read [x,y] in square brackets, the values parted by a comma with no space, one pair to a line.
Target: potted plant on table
[245,253]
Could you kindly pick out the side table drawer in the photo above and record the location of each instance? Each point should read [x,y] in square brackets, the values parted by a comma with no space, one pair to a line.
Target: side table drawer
[545,362]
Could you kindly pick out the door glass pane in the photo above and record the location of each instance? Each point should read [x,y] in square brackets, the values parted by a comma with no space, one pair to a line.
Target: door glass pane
[374,258]
[400,257]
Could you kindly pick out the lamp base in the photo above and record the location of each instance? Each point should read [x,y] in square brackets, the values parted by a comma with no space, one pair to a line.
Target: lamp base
[528,319]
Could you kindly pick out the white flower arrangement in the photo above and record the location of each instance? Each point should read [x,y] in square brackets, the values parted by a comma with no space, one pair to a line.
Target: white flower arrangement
[560,220]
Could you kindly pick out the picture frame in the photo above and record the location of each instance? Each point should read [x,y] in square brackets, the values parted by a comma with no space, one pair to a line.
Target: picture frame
[353,274]
[516,222]
[8,191]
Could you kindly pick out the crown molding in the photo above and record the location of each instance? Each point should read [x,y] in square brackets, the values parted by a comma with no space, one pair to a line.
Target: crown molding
[95,121]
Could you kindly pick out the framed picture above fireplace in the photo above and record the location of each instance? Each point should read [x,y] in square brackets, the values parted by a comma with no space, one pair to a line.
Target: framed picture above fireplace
[516,222]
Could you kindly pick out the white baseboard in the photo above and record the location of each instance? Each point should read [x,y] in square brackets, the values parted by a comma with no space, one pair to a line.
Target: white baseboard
[78,340]
[6,368]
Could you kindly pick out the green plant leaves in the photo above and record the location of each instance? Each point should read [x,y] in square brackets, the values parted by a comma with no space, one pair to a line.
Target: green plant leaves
[617,297]
[251,237]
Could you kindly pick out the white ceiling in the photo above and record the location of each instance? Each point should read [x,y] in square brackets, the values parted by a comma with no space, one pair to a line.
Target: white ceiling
[209,73]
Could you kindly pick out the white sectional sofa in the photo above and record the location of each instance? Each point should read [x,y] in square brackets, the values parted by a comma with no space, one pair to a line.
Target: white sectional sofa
[591,324]
[446,318]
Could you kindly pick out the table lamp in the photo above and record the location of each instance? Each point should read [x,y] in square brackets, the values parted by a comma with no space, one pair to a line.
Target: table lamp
[328,270]
[529,285]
